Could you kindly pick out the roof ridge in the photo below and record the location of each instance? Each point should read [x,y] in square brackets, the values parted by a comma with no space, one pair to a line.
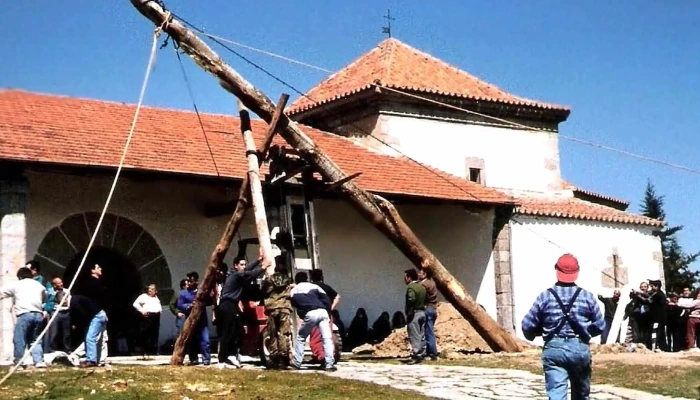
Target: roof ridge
[459,70]
[388,60]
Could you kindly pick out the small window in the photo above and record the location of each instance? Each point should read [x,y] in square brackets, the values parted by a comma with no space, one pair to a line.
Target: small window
[475,175]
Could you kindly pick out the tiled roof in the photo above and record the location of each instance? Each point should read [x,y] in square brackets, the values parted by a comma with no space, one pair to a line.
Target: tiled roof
[397,65]
[86,132]
[570,186]
[580,209]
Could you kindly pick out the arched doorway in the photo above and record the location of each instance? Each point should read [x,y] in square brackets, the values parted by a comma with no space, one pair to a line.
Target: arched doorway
[130,258]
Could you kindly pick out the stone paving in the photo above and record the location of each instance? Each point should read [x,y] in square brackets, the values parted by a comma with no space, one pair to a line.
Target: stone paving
[465,383]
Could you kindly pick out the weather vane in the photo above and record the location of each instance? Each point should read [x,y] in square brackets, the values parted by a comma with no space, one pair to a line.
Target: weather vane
[389,18]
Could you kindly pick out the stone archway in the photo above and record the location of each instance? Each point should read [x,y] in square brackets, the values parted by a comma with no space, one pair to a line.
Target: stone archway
[131,258]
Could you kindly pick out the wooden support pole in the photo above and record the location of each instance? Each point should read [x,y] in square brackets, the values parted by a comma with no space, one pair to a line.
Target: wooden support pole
[256,191]
[207,284]
[275,124]
[365,203]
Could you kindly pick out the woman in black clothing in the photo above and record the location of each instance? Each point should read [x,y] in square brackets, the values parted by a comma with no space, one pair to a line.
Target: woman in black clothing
[358,331]
[381,328]
[398,321]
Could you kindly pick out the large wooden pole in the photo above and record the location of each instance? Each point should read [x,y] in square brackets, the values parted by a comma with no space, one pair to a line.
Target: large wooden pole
[207,284]
[256,191]
[400,234]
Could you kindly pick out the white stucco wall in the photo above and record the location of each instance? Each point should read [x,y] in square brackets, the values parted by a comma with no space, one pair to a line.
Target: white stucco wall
[366,268]
[592,243]
[358,261]
[169,211]
[513,159]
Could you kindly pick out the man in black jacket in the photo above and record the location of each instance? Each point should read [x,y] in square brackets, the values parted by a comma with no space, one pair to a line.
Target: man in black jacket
[231,320]
[88,305]
[610,304]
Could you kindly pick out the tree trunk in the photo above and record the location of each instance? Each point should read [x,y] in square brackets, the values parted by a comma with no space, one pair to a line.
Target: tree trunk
[397,231]
[207,283]
[256,192]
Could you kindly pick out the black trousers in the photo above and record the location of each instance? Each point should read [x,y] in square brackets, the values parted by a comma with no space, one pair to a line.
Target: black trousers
[150,328]
[59,333]
[230,328]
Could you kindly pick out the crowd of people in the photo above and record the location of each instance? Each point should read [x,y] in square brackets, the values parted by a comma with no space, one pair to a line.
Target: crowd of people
[80,317]
[661,321]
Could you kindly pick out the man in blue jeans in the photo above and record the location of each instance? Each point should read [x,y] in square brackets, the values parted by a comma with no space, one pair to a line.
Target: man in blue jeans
[28,297]
[90,303]
[312,304]
[431,299]
[566,317]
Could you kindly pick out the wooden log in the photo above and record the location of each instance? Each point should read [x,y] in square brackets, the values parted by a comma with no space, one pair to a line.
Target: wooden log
[207,284]
[275,125]
[256,191]
[400,234]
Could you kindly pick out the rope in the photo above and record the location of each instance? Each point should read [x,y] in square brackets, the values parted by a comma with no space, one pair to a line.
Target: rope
[196,110]
[151,61]
[268,53]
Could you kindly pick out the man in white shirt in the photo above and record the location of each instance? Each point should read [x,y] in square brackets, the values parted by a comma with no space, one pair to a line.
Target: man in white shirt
[149,306]
[28,298]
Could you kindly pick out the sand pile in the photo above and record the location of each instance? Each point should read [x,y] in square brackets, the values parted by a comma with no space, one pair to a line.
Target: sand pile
[618,348]
[454,335]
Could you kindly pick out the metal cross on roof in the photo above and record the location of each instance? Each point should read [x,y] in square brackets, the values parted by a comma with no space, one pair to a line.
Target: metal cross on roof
[389,18]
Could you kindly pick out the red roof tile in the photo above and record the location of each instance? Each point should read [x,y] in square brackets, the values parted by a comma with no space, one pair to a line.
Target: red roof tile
[85,132]
[580,209]
[397,65]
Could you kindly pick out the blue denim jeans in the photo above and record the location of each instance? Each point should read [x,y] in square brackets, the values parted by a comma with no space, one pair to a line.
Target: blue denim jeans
[93,339]
[27,329]
[430,341]
[199,341]
[565,360]
[315,318]
[179,321]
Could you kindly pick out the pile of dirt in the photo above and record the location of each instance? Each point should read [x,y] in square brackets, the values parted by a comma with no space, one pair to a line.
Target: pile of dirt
[618,348]
[454,336]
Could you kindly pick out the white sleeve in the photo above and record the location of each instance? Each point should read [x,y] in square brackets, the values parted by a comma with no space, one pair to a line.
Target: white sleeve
[138,304]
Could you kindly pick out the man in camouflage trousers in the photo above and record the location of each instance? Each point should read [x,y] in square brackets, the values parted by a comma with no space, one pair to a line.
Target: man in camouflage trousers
[278,308]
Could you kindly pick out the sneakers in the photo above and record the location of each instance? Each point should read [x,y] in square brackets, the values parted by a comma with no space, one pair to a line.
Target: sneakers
[415,360]
[40,365]
[330,369]
[88,364]
[294,366]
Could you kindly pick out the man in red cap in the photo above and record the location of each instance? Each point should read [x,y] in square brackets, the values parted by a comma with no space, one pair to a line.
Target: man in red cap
[566,317]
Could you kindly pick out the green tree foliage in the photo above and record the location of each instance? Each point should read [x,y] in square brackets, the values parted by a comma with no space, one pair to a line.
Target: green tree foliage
[676,262]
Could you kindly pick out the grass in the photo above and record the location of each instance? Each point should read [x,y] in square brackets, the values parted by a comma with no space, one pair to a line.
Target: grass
[196,383]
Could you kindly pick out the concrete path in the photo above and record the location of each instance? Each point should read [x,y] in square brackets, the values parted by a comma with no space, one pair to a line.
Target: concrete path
[467,383]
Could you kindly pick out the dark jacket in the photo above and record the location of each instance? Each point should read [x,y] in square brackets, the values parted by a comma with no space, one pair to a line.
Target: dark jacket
[415,298]
[236,281]
[610,304]
[309,297]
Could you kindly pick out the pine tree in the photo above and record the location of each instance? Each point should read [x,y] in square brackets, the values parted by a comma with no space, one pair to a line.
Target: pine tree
[676,262]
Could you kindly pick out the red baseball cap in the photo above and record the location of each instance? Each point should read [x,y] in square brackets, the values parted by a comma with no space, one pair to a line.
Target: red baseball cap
[567,268]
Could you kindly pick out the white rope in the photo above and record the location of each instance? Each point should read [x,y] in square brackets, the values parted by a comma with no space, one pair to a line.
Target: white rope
[268,53]
[38,340]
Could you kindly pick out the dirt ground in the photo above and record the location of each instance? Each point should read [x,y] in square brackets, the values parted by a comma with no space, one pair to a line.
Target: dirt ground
[458,341]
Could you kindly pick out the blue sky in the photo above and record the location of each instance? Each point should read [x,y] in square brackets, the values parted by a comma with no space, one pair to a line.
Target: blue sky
[629,70]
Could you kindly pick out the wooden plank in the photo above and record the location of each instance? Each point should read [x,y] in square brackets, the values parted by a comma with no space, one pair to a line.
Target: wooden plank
[275,124]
